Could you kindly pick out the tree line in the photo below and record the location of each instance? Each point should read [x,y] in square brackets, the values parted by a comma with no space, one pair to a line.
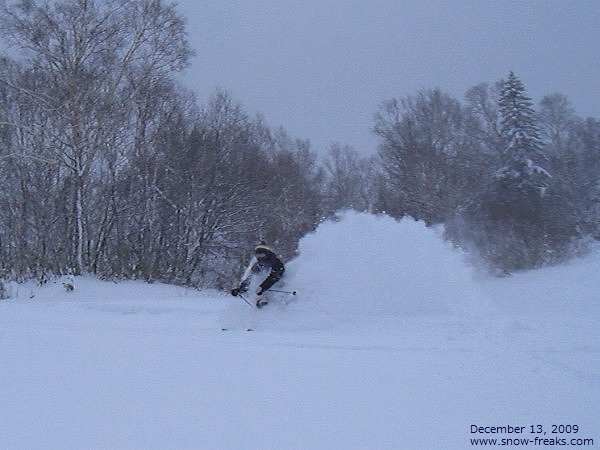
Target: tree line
[110,166]
[515,186]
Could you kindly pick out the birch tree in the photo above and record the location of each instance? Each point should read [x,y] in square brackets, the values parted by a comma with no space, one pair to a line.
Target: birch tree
[93,57]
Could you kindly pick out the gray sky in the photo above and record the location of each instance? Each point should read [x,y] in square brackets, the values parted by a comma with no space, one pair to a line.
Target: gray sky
[320,68]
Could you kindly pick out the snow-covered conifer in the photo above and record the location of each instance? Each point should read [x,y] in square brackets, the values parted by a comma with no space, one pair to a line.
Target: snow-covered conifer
[523,146]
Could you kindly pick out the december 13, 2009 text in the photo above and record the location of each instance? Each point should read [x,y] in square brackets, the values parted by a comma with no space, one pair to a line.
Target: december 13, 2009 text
[535,435]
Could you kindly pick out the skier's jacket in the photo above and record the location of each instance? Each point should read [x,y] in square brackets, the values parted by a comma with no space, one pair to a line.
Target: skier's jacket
[264,261]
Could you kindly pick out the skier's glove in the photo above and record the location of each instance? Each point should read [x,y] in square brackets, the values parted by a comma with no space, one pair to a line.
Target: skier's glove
[235,292]
[260,291]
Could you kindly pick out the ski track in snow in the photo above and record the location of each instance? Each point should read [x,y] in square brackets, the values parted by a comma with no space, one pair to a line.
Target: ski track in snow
[391,342]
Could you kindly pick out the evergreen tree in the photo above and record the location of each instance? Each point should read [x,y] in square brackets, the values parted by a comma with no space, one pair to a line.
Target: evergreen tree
[523,146]
[518,222]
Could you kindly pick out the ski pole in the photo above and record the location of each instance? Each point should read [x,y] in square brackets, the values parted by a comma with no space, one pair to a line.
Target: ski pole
[244,298]
[284,292]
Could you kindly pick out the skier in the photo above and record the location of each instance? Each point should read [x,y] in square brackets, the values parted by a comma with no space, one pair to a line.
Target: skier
[265,266]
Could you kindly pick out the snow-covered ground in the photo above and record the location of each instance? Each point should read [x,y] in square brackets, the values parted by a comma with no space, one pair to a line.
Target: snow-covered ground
[391,343]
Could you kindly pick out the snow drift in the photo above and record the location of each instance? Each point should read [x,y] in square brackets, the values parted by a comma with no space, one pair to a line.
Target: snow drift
[366,267]
[376,265]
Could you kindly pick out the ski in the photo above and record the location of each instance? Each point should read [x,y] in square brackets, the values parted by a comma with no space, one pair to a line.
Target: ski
[284,292]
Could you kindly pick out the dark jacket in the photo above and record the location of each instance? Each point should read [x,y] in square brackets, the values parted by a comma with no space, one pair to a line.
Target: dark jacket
[269,260]
[265,260]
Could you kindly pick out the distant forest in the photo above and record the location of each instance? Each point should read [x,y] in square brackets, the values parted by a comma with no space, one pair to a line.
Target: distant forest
[109,166]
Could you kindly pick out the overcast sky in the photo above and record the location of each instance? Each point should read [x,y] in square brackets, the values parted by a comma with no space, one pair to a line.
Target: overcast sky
[320,68]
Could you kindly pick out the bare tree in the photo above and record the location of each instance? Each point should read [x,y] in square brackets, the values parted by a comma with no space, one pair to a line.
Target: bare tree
[93,57]
[350,179]
[294,202]
[557,119]
[482,118]
[423,154]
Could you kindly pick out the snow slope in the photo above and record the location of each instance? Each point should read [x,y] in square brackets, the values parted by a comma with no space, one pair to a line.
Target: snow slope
[391,342]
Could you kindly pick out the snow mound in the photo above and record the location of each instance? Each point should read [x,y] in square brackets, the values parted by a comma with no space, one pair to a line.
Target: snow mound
[377,264]
[365,267]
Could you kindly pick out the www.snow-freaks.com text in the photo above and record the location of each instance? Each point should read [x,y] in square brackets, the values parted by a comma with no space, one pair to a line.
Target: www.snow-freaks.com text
[528,435]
